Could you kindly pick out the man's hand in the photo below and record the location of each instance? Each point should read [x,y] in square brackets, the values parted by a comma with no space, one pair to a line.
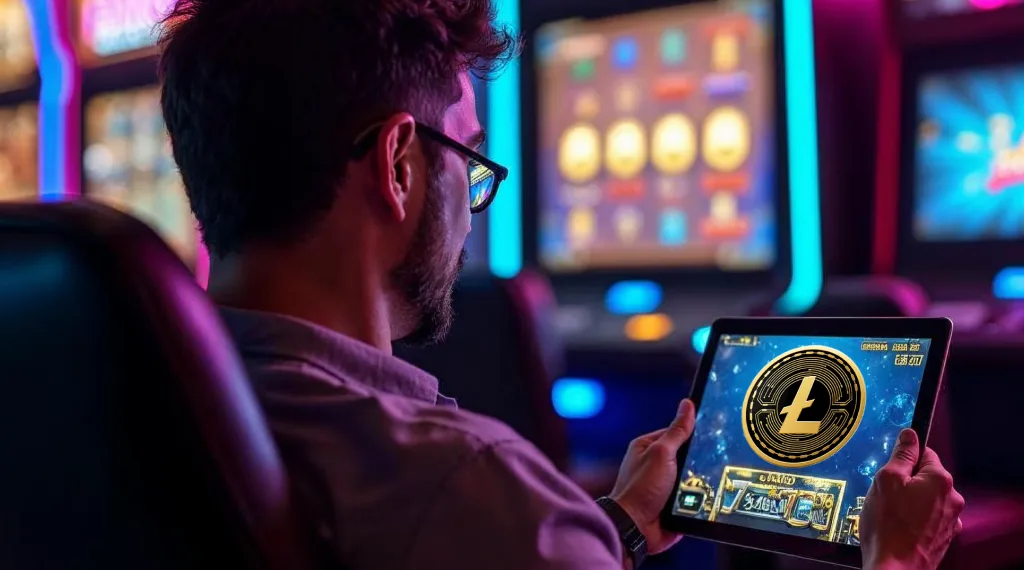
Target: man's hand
[648,474]
[912,511]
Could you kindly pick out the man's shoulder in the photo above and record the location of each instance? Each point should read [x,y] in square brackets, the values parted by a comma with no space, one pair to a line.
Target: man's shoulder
[296,391]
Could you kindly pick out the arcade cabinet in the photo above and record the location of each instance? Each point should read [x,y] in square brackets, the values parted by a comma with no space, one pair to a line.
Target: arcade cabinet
[126,159]
[19,104]
[658,142]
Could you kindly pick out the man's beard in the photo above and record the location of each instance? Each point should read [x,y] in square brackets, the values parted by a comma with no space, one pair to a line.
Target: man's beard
[424,279]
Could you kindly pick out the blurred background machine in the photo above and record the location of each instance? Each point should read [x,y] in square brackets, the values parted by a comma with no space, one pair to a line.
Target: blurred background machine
[126,159]
[950,213]
[19,103]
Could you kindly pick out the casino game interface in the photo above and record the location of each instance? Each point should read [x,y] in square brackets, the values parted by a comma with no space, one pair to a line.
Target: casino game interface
[791,431]
[657,139]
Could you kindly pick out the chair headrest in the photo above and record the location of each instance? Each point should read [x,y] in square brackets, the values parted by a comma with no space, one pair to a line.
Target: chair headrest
[131,435]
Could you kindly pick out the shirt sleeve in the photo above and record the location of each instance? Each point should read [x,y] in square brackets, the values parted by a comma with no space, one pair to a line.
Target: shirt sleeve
[507,507]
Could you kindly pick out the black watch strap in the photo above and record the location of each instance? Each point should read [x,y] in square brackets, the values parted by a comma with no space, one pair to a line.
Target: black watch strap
[632,539]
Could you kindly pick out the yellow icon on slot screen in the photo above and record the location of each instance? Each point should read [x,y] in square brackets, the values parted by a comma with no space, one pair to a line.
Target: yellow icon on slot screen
[579,153]
[726,139]
[723,207]
[625,149]
[581,225]
[725,52]
[674,144]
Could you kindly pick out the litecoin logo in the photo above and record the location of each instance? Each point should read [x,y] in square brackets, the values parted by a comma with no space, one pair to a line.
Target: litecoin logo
[803,406]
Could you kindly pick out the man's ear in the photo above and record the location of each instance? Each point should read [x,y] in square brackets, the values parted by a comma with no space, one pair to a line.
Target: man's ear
[394,162]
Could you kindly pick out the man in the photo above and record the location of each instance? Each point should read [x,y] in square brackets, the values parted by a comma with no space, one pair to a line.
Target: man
[328,148]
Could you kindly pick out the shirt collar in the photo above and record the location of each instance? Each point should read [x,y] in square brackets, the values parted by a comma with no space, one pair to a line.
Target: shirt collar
[258,333]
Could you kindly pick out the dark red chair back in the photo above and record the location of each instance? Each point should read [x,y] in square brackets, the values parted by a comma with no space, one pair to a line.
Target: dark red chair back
[129,437]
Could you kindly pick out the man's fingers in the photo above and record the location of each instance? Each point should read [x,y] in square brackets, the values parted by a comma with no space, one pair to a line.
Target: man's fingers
[930,464]
[681,427]
[648,438]
[904,455]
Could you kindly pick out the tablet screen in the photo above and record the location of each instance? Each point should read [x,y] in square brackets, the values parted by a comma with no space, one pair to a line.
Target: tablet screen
[791,430]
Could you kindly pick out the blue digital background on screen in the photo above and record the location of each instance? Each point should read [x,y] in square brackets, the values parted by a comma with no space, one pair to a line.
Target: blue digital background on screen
[969,166]
[891,393]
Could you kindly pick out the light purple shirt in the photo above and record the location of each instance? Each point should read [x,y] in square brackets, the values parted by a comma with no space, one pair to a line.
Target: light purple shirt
[396,476]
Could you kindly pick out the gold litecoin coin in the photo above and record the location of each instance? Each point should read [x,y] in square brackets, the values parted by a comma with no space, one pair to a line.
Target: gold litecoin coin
[803,406]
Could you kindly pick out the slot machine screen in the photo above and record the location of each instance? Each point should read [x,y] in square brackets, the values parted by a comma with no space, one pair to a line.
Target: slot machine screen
[19,150]
[128,164]
[657,140]
[968,179]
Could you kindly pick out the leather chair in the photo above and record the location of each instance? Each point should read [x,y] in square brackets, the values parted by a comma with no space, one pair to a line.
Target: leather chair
[129,437]
[502,356]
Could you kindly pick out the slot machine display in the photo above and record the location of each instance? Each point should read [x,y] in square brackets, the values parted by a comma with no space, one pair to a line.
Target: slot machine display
[950,199]
[656,143]
[19,104]
[660,178]
[127,161]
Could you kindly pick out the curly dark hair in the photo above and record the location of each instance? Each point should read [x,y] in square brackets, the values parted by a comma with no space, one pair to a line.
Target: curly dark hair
[262,98]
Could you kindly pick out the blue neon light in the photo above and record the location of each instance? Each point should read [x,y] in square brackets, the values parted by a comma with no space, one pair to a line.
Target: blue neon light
[802,126]
[1009,284]
[577,398]
[56,90]
[504,145]
[633,297]
[700,339]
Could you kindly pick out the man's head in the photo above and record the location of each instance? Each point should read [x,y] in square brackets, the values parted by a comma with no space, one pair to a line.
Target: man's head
[334,131]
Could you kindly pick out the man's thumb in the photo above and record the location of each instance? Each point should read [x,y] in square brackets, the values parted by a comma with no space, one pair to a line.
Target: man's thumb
[905,453]
[681,427]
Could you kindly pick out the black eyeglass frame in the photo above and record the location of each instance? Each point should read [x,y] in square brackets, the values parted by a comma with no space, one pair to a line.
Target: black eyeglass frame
[362,144]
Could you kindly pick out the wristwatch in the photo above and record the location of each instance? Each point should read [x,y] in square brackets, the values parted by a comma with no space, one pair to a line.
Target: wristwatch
[632,539]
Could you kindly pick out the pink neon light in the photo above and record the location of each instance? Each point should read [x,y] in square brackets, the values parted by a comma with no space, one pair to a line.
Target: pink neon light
[989,4]
[113,26]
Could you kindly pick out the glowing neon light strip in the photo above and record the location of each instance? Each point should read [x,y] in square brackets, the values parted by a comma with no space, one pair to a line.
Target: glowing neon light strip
[802,126]
[58,76]
[504,144]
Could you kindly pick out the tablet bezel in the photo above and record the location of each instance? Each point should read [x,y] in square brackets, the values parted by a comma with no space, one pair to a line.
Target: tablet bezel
[938,330]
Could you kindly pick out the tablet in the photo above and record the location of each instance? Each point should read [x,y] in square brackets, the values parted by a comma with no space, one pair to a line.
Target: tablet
[794,417]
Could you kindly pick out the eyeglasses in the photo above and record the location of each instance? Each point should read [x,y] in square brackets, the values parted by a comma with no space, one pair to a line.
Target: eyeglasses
[485,175]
